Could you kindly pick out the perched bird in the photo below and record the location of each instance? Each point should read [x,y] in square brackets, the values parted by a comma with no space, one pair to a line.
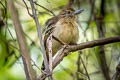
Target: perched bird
[64,27]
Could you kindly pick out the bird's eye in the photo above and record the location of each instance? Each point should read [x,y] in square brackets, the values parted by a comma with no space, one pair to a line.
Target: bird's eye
[68,12]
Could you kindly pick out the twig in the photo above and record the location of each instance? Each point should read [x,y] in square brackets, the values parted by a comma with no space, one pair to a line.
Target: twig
[45,9]
[78,63]
[92,3]
[41,7]
[27,8]
[84,66]
[6,23]
[40,38]
[35,64]
[4,9]
[94,73]
[78,69]
[9,43]
[39,34]
[33,42]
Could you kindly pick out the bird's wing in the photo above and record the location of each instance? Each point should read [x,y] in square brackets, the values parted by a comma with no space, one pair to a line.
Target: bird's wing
[50,25]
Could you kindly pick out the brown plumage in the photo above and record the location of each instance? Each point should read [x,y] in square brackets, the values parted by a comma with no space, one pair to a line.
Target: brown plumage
[63,27]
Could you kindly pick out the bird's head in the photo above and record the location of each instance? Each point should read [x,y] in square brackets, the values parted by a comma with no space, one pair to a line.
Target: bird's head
[67,13]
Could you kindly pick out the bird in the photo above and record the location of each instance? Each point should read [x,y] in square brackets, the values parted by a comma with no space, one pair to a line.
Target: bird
[64,27]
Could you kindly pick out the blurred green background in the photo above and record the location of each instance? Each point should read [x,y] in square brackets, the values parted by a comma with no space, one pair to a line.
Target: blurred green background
[11,67]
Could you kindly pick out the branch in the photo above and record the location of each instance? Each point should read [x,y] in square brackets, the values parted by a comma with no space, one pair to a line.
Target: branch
[47,70]
[39,34]
[30,73]
[84,45]
[63,52]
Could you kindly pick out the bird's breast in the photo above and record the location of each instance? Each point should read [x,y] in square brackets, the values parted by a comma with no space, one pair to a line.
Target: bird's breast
[67,32]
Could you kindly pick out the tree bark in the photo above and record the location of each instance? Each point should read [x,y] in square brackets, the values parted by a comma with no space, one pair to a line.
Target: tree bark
[30,73]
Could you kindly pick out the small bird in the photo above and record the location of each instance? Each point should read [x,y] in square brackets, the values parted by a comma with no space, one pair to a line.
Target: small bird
[64,27]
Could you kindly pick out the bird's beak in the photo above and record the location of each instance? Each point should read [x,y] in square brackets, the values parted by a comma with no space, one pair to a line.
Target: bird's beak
[78,11]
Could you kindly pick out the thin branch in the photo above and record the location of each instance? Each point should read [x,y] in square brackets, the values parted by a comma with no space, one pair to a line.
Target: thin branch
[41,7]
[45,9]
[33,42]
[9,43]
[41,42]
[92,2]
[34,64]
[30,73]
[94,73]
[27,8]
[78,68]
[84,66]
[4,9]
[39,34]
